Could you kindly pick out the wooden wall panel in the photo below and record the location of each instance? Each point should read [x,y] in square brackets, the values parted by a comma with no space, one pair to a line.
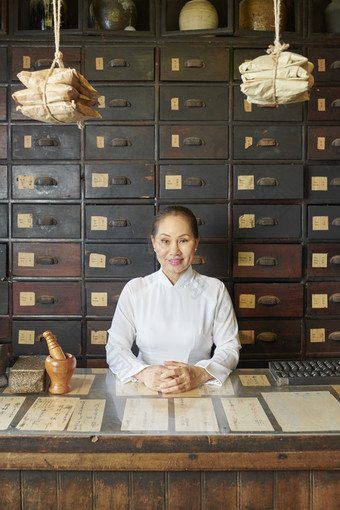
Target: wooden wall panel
[75,490]
[10,490]
[220,490]
[110,490]
[148,491]
[184,491]
[292,490]
[326,490]
[256,490]
[39,490]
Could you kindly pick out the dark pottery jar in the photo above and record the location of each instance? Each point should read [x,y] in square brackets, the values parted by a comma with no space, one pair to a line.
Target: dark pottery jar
[259,15]
[113,14]
[332,17]
[41,14]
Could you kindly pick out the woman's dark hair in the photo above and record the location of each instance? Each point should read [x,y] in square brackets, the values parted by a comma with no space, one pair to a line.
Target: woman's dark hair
[176,210]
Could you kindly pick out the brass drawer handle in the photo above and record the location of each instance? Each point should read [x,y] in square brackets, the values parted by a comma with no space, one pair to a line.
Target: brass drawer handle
[198,260]
[43,63]
[119,261]
[267,261]
[335,181]
[267,142]
[47,142]
[200,221]
[193,181]
[267,105]
[269,301]
[119,62]
[119,103]
[267,222]
[115,298]
[194,103]
[45,260]
[47,300]
[193,140]
[45,181]
[335,260]
[335,103]
[46,221]
[336,222]
[267,181]
[120,180]
[335,298]
[120,142]
[335,65]
[267,336]
[194,63]
[119,222]
[336,142]
[334,336]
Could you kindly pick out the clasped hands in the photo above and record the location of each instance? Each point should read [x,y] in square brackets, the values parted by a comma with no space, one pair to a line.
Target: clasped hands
[173,377]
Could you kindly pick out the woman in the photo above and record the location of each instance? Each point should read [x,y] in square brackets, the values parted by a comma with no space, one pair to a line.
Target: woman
[175,315]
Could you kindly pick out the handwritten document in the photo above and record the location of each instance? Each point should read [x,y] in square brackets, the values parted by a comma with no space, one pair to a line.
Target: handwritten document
[195,415]
[9,406]
[246,415]
[145,414]
[87,416]
[254,380]
[81,384]
[214,389]
[48,413]
[130,389]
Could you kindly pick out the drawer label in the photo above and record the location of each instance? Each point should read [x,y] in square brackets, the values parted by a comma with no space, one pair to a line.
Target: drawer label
[246,258]
[319,259]
[247,336]
[27,142]
[27,299]
[97,260]
[246,221]
[254,380]
[175,64]
[247,301]
[321,104]
[319,300]
[101,102]
[245,182]
[173,182]
[317,335]
[26,337]
[174,140]
[321,65]
[248,142]
[26,62]
[99,63]
[321,143]
[25,220]
[98,223]
[247,106]
[25,181]
[319,183]
[25,259]
[100,142]
[99,298]
[98,337]
[320,223]
[100,180]
[174,103]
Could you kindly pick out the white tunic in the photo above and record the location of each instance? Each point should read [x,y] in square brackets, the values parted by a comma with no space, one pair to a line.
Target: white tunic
[178,322]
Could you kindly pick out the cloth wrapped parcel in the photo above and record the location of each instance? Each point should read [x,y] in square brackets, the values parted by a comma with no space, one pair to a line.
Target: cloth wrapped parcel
[277,79]
[58,95]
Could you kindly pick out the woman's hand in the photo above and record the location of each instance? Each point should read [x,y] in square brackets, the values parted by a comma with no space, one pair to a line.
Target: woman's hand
[179,377]
[153,377]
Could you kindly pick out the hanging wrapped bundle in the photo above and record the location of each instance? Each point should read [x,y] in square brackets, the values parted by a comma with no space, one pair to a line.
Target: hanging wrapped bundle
[281,77]
[56,95]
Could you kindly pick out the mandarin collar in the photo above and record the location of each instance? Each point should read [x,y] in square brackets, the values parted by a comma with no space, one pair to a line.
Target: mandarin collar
[181,282]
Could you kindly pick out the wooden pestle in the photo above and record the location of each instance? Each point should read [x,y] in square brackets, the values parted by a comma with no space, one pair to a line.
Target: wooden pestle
[54,348]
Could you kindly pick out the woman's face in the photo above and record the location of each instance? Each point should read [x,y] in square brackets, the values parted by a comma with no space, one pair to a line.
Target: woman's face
[175,245]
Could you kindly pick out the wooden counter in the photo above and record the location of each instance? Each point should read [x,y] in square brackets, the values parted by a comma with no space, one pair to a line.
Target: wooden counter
[250,445]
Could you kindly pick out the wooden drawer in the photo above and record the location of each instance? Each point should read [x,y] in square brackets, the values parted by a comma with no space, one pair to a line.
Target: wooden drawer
[36,58]
[267,261]
[3,142]
[193,181]
[245,111]
[324,222]
[270,142]
[323,260]
[323,182]
[3,220]
[323,337]
[324,142]
[119,180]
[3,298]
[46,259]
[268,338]
[45,181]
[268,299]
[326,64]
[45,142]
[212,219]
[267,221]
[193,102]
[3,261]
[96,363]
[212,260]
[323,298]
[3,64]
[97,337]
[193,142]
[28,340]
[118,221]
[45,220]
[324,103]
[4,328]
[126,103]
[3,102]
[119,63]
[119,142]
[47,298]
[102,297]
[267,182]
[241,55]
[181,62]
[3,181]
[122,261]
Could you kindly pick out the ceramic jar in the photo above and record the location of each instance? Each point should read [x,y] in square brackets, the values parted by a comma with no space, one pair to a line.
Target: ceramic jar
[332,17]
[198,15]
[41,14]
[114,14]
[259,15]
